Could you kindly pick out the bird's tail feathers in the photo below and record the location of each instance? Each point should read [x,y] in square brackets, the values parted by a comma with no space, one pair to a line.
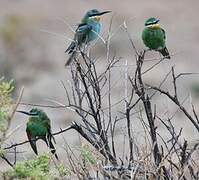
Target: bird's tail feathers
[34,146]
[71,48]
[49,143]
[53,150]
[53,139]
[72,56]
[165,53]
[72,51]
[32,142]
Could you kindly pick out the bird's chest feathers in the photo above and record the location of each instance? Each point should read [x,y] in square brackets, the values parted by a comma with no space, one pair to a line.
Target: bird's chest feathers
[95,30]
[36,128]
[154,38]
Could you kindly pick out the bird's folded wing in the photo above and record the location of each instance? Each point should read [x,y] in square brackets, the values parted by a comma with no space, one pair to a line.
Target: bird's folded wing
[82,33]
[164,33]
[32,141]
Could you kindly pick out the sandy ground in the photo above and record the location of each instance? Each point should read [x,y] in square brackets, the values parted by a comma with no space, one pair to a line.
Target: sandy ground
[35,58]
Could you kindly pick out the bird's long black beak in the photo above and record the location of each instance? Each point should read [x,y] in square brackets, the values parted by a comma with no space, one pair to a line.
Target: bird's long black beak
[101,13]
[27,113]
[157,21]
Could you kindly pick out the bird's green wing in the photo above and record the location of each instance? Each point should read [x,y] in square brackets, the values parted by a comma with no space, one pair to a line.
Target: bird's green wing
[164,33]
[80,37]
[164,51]
[48,138]
[50,132]
[82,33]
[30,138]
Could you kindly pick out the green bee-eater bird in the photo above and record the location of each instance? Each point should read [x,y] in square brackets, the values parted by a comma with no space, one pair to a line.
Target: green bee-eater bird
[38,126]
[87,31]
[154,37]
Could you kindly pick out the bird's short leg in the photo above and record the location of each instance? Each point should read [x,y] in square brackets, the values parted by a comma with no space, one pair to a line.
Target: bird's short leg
[159,54]
[146,50]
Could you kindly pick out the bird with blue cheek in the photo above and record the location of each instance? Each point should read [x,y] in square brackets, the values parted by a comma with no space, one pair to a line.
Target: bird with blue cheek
[87,31]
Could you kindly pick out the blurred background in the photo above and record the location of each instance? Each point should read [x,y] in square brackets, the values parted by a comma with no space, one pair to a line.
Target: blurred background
[34,35]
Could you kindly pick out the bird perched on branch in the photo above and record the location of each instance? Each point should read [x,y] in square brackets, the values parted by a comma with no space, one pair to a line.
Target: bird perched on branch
[87,31]
[154,37]
[38,127]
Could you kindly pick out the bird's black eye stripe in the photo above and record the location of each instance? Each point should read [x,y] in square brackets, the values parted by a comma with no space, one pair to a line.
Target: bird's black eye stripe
[33,114]
[95,14]
[29,113]
[151,23]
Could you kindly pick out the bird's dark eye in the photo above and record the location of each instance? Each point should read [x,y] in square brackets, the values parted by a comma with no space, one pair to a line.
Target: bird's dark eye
[34,112]
[93,12]
[151,21]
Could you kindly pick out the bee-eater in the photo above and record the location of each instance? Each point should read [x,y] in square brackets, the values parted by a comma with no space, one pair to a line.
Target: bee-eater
[154,37]
[87,31]
[38,127]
